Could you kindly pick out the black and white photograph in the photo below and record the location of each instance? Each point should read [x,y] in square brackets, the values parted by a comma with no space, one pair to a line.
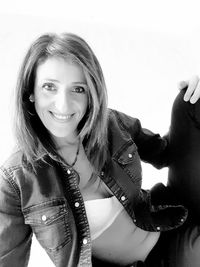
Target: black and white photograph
[100,133]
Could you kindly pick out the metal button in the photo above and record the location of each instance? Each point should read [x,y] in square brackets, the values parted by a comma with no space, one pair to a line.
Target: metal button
[158,228]
[123,198]
[102,173]
[182,220]
[68,171]
[134,220]
[77,204]
[130,155]
[85,241]
[44,218]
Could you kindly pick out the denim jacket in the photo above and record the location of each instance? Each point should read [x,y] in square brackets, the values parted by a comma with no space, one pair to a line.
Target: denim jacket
[49,204]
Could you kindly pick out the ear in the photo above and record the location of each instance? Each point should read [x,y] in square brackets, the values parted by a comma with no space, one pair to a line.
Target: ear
[31,98]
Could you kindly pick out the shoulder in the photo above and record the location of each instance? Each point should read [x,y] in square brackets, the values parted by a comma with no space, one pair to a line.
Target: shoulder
[14,161]
[11,171]
[8,177]
[123,121]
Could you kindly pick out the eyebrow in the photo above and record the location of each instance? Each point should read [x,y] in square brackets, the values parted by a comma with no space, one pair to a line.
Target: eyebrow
[54,80]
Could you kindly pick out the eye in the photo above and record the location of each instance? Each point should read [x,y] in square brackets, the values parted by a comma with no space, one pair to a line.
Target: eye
[49,87]
[79,89]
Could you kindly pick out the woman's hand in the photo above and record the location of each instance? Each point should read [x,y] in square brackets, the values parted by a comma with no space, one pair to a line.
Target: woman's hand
[192,93]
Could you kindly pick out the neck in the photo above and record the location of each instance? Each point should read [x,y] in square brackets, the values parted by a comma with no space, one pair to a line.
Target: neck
[70,152]
[66,142]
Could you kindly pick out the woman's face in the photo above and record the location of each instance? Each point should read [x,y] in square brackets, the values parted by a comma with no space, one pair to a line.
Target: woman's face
[60,96]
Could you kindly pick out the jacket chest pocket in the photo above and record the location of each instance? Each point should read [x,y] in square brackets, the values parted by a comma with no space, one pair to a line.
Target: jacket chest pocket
[49,222]
[128,158]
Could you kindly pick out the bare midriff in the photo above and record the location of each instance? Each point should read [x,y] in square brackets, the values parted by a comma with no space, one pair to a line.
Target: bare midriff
[123,242]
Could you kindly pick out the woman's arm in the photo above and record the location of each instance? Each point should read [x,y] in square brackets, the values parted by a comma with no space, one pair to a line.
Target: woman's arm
[15,236]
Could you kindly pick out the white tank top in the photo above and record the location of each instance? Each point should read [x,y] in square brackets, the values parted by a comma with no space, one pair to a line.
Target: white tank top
[101,214]
[114,235]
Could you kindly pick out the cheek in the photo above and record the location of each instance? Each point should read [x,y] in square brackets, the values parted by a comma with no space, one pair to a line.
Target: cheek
[39,106]
[85,104]
[41,103]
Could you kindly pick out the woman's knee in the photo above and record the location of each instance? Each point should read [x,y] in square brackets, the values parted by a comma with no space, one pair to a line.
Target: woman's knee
[185,110]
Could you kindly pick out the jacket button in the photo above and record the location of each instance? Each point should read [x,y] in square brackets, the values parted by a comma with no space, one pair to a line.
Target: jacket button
[158,228]
[123,198]
[130,156]
[182,220]
[134,220]
[76,204]
[68,171]
[102,173]
[44,218]
[85,241]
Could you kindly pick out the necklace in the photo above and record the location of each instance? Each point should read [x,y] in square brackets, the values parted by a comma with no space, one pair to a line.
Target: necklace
[77,152]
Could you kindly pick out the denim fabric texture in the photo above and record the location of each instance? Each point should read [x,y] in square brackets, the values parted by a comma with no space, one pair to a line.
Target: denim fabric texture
[49,204]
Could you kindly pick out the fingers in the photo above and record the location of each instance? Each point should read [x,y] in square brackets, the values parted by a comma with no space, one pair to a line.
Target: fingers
[182,84]
[196,94]
[193,86]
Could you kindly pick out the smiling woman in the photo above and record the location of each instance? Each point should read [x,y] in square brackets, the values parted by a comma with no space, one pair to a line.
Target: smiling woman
[60,102]
[63,98]
[75,157]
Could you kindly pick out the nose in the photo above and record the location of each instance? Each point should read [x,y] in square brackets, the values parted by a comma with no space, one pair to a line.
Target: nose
[62,102]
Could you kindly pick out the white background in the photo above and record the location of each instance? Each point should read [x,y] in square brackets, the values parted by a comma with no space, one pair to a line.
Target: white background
[145,48]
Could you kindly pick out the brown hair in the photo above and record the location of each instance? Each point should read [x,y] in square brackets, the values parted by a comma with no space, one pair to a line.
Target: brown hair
[32,137]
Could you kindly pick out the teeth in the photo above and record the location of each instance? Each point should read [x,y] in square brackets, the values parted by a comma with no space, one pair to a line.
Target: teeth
[62,117]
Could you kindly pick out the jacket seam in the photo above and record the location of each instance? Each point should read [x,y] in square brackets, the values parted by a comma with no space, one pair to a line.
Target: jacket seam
[121,123]
[9,179]
[123,126]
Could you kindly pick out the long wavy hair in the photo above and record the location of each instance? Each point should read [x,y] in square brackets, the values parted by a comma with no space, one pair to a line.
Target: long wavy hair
[32,137]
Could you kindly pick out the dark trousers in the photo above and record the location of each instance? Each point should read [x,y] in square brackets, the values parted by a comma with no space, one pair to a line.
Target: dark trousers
[176,248]
[180,247]
[184,169]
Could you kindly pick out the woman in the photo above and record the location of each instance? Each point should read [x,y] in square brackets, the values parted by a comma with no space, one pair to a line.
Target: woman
[75,181]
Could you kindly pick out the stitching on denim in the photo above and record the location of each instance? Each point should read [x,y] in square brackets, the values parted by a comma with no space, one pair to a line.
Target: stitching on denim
[58,247]
[9,179]
[124,128]
[82,223]
[67,237]
[53,218]
[45,204]
[68,234]
[125,146]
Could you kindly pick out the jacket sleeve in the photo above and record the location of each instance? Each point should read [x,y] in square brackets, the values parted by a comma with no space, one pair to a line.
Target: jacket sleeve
[152,148]
[15,236]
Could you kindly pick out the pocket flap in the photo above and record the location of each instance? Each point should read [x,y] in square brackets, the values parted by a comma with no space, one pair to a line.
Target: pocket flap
[127,154]
[45,214]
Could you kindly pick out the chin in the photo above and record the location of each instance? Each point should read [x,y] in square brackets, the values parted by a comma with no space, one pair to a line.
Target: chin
[63,134]
[60,135]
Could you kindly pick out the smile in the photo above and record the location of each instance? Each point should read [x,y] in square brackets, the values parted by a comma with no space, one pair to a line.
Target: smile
[61,117]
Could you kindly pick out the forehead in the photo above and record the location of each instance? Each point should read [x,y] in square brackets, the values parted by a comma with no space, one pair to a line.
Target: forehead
[60,69]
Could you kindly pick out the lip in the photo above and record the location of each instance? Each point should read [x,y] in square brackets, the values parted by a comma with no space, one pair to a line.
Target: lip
[61,117]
